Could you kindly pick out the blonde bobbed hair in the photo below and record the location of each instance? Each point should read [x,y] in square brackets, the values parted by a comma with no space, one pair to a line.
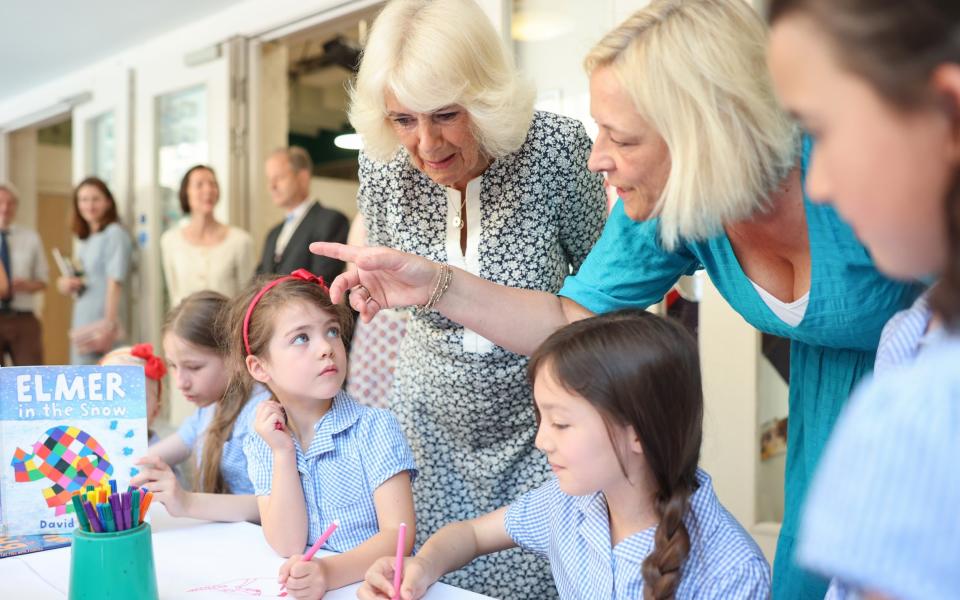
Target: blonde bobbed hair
[433,53]
[696,71]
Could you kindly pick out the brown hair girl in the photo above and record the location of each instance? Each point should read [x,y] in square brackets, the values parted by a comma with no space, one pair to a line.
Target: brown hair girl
[643,371]
[254,338]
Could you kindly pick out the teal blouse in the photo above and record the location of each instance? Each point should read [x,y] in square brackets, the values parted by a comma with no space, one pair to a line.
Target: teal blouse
[831,349]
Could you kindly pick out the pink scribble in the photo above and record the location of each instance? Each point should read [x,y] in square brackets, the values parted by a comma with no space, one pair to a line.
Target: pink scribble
[246,586]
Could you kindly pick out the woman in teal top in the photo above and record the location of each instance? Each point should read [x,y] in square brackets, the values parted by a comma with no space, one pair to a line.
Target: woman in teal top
[831,349]
[692,136]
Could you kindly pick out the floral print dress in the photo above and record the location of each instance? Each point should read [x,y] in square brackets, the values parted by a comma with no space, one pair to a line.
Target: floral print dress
[464,403]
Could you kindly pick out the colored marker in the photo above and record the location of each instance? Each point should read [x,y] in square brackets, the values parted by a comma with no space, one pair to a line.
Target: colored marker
[315,547]
[92,517]
[111,517]
[117,511]
[126,498]
[125,505]
[144,505]
[320,541]
[398,563]
[113,486]
[124,511]
[106,517]
[81,515]
[135,508]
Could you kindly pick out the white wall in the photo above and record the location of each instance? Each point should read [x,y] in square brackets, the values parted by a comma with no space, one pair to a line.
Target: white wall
[735,385]
[556,66]
[336,193]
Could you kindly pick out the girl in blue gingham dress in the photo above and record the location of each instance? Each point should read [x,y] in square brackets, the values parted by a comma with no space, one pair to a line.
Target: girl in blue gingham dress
[628,515]
[194,351]
[318,456]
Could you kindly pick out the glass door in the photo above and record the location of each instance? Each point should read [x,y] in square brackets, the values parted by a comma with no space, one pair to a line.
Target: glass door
[186,115]
[101,147]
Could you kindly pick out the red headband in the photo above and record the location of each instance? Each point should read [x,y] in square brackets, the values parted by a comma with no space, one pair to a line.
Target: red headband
[301,274]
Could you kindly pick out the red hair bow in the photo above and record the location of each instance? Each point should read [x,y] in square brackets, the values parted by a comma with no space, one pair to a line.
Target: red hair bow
[155,368]
[306,275]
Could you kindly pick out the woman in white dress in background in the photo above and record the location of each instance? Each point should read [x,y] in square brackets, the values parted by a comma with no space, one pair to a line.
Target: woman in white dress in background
[204,254]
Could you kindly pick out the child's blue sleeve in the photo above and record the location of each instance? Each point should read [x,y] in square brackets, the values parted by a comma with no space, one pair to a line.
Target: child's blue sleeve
[387,447]
[191,427]
[259,464]
[528,521]
[882,510]
[747,581]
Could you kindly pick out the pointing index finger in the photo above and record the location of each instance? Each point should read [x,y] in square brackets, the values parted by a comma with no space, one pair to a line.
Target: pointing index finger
[334,250]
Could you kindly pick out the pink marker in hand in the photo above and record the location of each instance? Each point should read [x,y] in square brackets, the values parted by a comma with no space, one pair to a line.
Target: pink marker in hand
[398,563]
[315,547]
[321,541]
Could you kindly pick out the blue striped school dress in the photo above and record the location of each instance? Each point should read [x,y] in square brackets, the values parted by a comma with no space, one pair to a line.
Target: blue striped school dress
[573,532]
[233,463]
[354,450]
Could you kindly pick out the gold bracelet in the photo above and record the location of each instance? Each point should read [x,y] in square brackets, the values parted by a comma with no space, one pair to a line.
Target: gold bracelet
[441,286]
[448,272]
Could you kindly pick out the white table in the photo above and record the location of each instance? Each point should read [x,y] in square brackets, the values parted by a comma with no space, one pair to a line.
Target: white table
[195,560]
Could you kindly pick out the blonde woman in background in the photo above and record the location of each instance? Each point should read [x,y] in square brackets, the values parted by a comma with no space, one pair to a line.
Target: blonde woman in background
[710,172]
[204,254]
[458,168]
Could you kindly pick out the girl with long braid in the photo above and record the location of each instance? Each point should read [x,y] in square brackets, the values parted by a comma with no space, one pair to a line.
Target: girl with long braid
[628,515]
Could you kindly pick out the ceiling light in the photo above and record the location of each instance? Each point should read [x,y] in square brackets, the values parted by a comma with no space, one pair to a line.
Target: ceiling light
[348,141]
[537,25]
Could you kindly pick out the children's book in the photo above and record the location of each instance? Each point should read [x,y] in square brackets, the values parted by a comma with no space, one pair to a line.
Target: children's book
[62,429]
[25,544]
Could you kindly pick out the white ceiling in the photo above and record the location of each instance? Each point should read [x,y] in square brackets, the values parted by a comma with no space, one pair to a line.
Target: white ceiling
[41,40]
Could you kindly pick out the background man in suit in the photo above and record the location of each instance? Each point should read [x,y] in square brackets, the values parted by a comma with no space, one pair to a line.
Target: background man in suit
[286,248]
[21,254]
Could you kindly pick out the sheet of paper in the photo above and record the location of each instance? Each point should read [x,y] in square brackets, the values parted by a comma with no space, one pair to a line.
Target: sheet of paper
[212,561]
[21,581]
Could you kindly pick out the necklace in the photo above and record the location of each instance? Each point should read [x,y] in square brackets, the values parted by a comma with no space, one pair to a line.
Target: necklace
[458,220]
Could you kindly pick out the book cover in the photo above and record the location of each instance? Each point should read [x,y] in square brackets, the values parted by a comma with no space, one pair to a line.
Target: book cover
[61,429]
[25,544]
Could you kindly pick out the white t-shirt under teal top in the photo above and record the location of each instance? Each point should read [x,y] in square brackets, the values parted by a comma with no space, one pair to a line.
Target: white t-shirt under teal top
[233,463]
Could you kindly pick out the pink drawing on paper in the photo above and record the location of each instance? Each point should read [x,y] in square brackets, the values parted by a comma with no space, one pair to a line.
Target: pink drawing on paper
[252,587]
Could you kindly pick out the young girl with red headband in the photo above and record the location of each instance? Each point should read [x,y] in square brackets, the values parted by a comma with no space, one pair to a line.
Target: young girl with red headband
[194,343]
[319,457]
